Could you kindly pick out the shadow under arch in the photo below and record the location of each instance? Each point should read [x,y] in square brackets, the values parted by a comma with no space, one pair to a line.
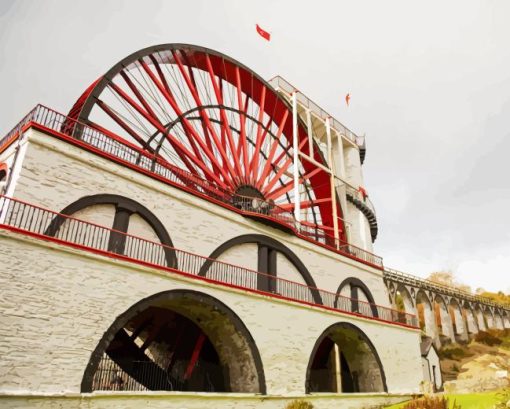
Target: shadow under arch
[268,242]
[125,207]
[242,365]
[358,358]
[355,284]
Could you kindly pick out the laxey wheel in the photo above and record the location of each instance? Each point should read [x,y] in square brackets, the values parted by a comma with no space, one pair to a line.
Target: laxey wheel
[214,118]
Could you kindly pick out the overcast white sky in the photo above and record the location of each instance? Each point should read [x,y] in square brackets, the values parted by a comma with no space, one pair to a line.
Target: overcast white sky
[429,84]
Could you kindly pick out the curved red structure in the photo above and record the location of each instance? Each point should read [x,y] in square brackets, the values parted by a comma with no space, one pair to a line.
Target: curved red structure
[214,118]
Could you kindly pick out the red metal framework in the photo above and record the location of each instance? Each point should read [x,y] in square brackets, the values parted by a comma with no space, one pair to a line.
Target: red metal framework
[209,115]
[35,221]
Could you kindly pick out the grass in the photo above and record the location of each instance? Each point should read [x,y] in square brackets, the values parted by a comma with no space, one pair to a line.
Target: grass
[485,400]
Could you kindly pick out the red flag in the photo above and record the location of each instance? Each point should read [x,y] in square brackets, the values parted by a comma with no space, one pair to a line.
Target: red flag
[347,99]
[264,34]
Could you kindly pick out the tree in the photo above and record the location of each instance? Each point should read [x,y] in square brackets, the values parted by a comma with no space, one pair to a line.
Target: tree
[448,278]
[499,297]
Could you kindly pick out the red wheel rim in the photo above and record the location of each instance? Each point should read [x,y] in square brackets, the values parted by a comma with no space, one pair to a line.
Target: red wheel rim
[214,118]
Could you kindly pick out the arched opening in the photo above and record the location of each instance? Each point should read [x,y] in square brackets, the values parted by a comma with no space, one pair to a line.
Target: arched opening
[176,340]
[344,360]
[283,272]
[498,318]
[469,318]
[442,317]
[353,295]
[489,318]
[480,319]
[403,301]
[425,314]
[457,318]
[506,319]
[122,215]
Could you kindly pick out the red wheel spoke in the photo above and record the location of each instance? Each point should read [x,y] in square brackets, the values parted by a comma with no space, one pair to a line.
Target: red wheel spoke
[176,144]
[288,186]
[225,123]
[261,134]
[194,135]
[305,204]
[267,166]
[242,121]
[124,125]
[138,95]
[160,73]
[269,185]
[205,118]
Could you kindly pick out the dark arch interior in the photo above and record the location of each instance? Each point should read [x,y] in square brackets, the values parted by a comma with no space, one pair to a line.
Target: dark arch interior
[344,361]
[160,349]
[180,341]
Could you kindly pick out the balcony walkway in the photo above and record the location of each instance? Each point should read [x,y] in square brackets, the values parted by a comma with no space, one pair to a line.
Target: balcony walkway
[108,145]
[35,221]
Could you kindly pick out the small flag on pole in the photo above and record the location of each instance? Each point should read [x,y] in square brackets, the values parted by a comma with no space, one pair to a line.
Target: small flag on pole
[347,99]
[264,34]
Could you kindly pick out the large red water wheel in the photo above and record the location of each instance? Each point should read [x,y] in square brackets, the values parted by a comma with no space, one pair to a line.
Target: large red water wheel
[214,118]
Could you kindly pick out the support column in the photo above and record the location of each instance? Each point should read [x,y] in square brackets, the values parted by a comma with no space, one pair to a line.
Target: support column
[446,323]
[472,326]
[295,149]
[461,333]
[332,182]
[481,320]
[490,320]
[338,368]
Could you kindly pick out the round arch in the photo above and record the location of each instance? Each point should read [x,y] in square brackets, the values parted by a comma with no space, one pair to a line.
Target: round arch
[455,309]
[234,345]
[361,367]
[425,312]
[265,242]
[409,303]
[124,208]
[442,316]
[356,284]
[469,314]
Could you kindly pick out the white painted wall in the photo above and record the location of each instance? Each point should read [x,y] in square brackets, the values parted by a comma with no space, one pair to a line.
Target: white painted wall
[57,303]
[71,173]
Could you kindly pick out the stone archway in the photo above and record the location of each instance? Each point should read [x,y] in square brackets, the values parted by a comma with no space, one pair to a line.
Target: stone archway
[177,340]
[425,311]
[457,318]
[344,360]
[443,319]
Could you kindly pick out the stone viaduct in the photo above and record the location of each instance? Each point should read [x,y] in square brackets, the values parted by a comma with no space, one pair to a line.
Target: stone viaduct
[445,314]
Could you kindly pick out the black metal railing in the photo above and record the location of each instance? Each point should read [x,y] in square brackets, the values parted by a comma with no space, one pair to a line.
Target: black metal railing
[110,376]
[112,145]
[24,217]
